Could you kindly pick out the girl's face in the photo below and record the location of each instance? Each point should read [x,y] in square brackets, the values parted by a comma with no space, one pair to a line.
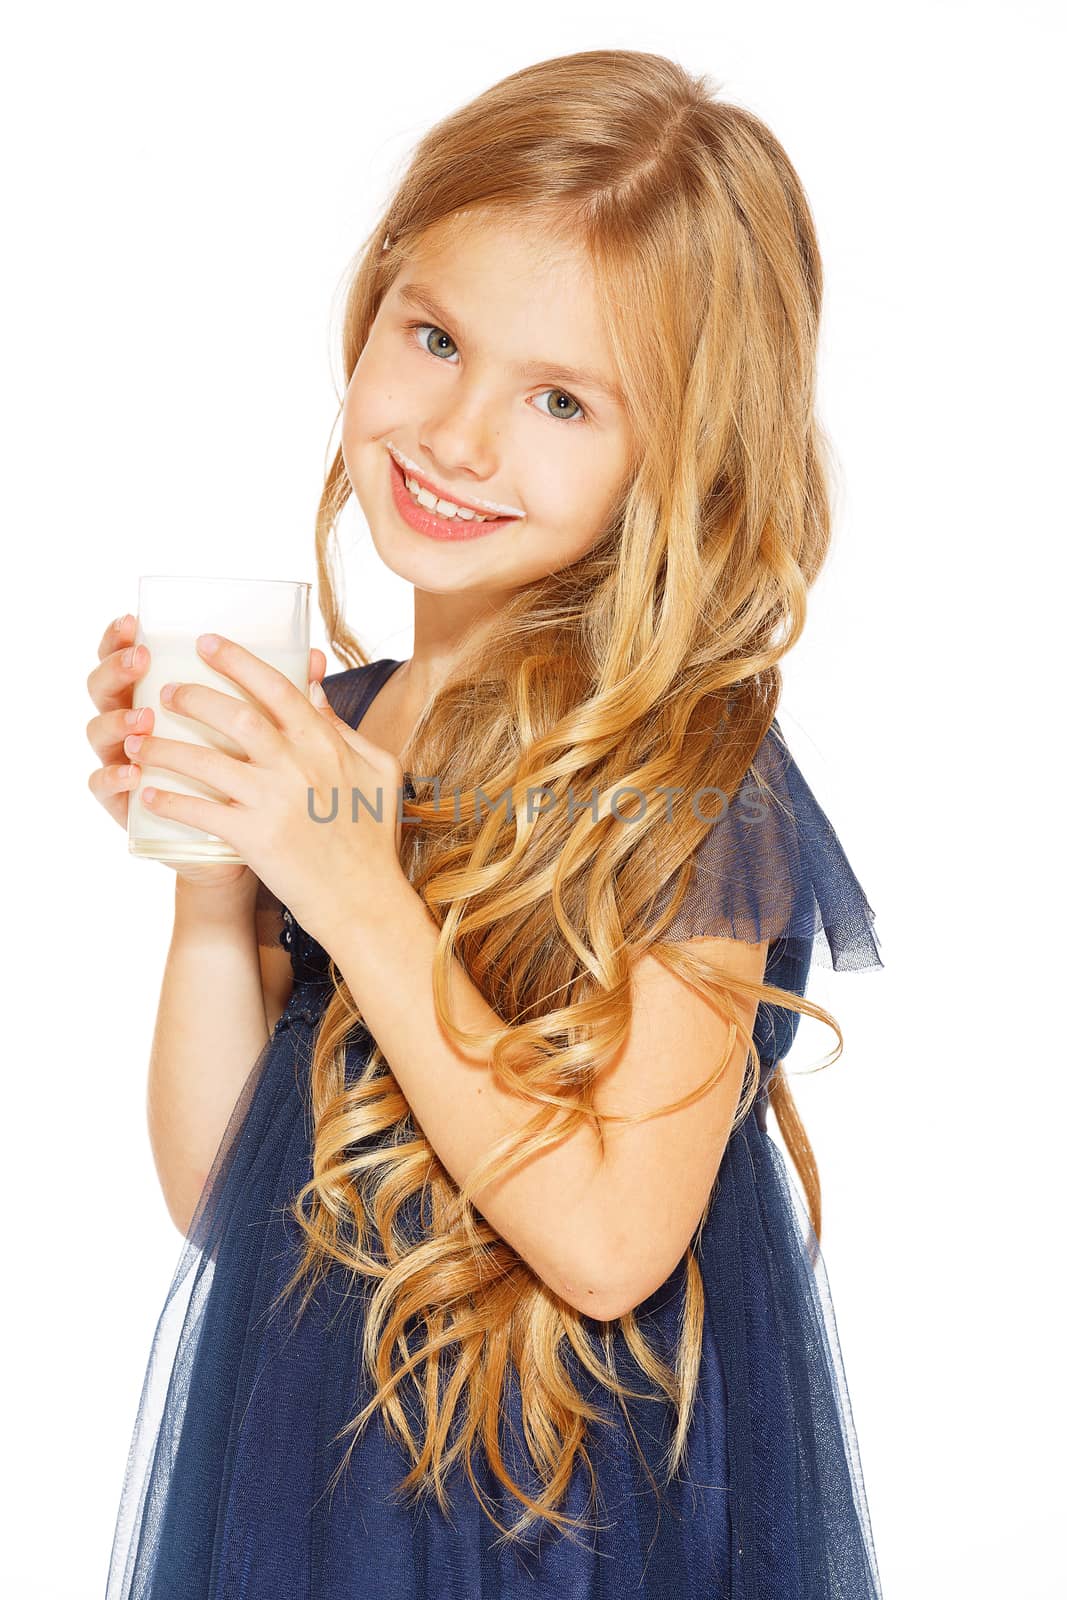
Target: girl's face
[486,370]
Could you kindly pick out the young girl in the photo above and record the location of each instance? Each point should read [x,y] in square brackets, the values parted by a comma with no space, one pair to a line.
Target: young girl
[497,1284]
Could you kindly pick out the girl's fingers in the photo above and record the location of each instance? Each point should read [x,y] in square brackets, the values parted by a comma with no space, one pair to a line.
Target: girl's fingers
[115,634]
[233,778]
[110,686]
[117,778]
[106,732]
[111,785]
[111,683]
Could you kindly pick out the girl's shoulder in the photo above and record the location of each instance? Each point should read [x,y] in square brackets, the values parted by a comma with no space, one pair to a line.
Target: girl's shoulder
[349,690]
[772,867]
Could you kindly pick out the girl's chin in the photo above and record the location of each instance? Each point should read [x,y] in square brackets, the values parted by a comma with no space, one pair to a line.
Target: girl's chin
[423,564]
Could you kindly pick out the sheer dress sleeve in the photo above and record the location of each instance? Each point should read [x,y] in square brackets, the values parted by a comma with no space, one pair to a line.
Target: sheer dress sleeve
[773,868]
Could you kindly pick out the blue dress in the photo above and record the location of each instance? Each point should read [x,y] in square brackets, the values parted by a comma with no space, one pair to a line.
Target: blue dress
[225,1495]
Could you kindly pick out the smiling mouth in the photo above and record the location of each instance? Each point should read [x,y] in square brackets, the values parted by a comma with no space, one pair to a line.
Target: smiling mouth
[438,506]
[441,503]
[436,525]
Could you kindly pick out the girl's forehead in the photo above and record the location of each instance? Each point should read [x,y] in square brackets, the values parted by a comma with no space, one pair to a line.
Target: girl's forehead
[496,276]
[541,236]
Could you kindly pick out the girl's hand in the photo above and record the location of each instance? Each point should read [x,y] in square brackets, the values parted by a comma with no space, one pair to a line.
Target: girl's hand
[291,809]
[110,687]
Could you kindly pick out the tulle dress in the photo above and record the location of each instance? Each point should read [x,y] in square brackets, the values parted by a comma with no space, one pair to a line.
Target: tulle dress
[234,1444]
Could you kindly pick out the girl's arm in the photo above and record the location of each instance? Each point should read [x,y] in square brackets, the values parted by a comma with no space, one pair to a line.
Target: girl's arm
[210,1027]
[602,1235]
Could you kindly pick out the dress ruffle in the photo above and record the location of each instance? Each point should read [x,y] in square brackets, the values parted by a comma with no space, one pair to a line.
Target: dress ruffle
[772,867]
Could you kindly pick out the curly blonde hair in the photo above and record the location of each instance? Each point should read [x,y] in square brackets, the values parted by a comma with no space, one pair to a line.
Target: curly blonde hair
[612,672]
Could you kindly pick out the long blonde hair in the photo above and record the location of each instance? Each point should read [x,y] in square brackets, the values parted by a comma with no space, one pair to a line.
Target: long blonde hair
[611,672]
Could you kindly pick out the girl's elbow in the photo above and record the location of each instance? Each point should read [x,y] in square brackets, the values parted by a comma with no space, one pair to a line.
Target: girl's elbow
[603,1302]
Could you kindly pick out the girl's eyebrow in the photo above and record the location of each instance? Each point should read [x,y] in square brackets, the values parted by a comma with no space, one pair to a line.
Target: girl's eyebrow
[419,295]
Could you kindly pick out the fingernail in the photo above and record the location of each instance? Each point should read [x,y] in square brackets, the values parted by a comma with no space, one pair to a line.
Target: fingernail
[133,717]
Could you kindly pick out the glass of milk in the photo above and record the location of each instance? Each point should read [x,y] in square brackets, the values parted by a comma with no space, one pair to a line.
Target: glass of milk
[271,618]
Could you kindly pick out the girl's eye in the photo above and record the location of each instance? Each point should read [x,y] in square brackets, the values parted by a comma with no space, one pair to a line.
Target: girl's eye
[416,327]
[569,400]
[439,334]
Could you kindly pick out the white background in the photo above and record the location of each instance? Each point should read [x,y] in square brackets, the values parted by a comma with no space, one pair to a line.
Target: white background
[183,189]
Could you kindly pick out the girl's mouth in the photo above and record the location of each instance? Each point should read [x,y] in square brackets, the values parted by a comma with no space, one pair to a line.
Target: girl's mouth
[429,522]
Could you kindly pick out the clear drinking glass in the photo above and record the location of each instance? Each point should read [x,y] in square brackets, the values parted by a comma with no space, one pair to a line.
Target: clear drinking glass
[272,618]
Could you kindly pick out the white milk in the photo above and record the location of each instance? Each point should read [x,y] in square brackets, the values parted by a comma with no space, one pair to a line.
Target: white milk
[174,659]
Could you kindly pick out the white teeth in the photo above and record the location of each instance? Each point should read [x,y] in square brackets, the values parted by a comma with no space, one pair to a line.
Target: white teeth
[442,508]
[445,507]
